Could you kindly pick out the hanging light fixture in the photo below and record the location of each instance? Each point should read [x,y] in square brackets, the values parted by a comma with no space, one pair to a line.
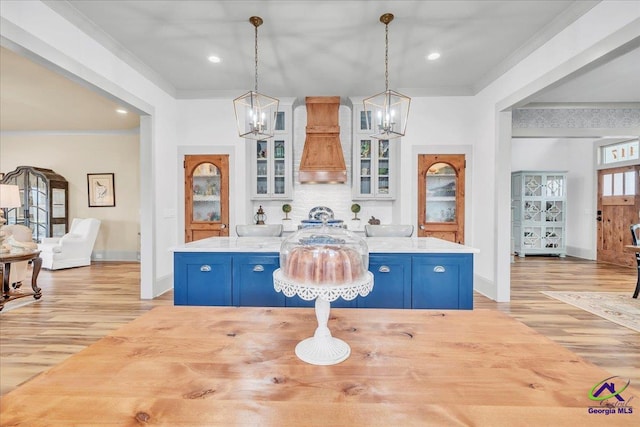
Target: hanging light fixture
[387,112]
[255,113]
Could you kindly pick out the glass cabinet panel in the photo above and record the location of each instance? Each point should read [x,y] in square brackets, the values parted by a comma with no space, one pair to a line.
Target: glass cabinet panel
[278,166]
[373,169]
[206,193]
[383,167]
[441,193]
[271,162]
[365,167]
[262,167]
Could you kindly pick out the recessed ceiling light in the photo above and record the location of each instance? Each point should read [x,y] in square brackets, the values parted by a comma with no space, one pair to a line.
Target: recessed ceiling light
[433,56]
[215,59]
[121,111]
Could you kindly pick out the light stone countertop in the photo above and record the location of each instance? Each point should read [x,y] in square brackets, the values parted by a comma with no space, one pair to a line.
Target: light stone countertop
[375,244]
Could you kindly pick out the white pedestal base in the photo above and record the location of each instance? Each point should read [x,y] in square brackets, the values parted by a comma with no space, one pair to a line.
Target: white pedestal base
[323,351]
[322,348]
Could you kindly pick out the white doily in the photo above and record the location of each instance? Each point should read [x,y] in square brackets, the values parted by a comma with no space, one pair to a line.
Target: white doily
[307,292]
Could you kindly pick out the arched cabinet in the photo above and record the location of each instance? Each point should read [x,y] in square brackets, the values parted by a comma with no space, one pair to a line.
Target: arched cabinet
[206,196]
[45,201]
[441,196]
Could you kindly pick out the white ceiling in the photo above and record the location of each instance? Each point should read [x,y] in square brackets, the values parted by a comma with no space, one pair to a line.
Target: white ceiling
[306,47]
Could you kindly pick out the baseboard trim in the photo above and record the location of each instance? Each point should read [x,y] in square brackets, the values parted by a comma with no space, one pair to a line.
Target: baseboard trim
[126,256]
[581,253]
[485,287]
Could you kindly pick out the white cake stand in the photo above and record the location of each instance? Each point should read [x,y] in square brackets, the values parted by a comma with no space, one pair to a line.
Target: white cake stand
[322,348]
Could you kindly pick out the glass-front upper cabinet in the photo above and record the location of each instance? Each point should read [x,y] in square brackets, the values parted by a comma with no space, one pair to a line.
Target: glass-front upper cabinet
[271,161]
[45,201]
[373,161]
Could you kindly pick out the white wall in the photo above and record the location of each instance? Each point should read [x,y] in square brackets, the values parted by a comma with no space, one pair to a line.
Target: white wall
[73,157]
[43,34]
[478,121]
[606,27]
[576,156]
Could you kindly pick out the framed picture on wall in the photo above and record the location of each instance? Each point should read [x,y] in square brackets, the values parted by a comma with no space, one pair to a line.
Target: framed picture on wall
[101,190]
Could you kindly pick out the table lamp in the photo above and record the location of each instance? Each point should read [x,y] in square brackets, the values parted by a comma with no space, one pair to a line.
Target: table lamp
[9,198]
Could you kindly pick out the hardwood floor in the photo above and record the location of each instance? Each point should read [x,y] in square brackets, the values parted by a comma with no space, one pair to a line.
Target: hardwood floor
[79,306]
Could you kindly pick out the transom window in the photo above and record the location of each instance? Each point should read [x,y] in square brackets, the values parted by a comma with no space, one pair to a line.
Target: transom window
[620,152]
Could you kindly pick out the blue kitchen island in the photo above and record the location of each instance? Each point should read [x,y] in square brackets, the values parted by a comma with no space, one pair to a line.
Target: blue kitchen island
[416,272]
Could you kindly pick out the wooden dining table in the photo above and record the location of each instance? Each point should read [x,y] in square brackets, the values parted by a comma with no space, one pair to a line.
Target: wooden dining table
[236,366]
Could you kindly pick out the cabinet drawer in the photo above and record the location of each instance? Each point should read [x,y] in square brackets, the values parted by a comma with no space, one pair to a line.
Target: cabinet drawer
[202,279]
[253,281]
[391,283]
[442,282]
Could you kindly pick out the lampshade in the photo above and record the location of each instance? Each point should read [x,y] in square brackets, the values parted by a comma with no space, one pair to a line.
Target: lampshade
[256,113]
[9,196]
[387,112]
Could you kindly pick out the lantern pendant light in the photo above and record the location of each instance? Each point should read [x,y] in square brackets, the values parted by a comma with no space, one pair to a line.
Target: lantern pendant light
[387,112]
[256,113]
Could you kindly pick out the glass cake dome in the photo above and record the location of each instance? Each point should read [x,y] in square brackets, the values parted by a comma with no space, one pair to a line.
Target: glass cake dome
[324,255]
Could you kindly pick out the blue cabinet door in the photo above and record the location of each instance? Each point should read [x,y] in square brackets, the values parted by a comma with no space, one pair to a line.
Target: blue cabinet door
[391,282]
[202,279]
[253,281]
[442,281]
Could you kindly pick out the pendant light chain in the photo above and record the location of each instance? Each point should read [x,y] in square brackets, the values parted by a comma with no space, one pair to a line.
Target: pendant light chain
[386,57]
[256,55]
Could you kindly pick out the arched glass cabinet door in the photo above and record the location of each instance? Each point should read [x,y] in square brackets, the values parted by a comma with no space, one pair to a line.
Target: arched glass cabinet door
[206,196]
[205,189]
[441,196]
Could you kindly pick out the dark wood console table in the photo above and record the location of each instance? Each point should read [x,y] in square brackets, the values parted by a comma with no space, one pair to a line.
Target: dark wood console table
[6,259]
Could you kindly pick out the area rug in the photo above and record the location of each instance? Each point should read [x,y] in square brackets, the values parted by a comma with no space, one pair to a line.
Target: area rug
[12,305]
[617,307]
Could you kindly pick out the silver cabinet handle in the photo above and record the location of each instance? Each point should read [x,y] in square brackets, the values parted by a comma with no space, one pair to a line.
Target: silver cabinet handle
[258,268]
[205,268]
[421,227]
[439,269]
[384,269]
[223,226]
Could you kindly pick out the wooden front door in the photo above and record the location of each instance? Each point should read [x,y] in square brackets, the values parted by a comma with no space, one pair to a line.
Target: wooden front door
[618,205]
[441,196]
[206,194]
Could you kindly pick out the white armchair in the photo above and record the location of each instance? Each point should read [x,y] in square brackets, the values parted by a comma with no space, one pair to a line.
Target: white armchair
[73,249]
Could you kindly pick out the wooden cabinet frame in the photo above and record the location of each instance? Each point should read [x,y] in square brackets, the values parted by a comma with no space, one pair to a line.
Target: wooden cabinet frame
[451,224]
